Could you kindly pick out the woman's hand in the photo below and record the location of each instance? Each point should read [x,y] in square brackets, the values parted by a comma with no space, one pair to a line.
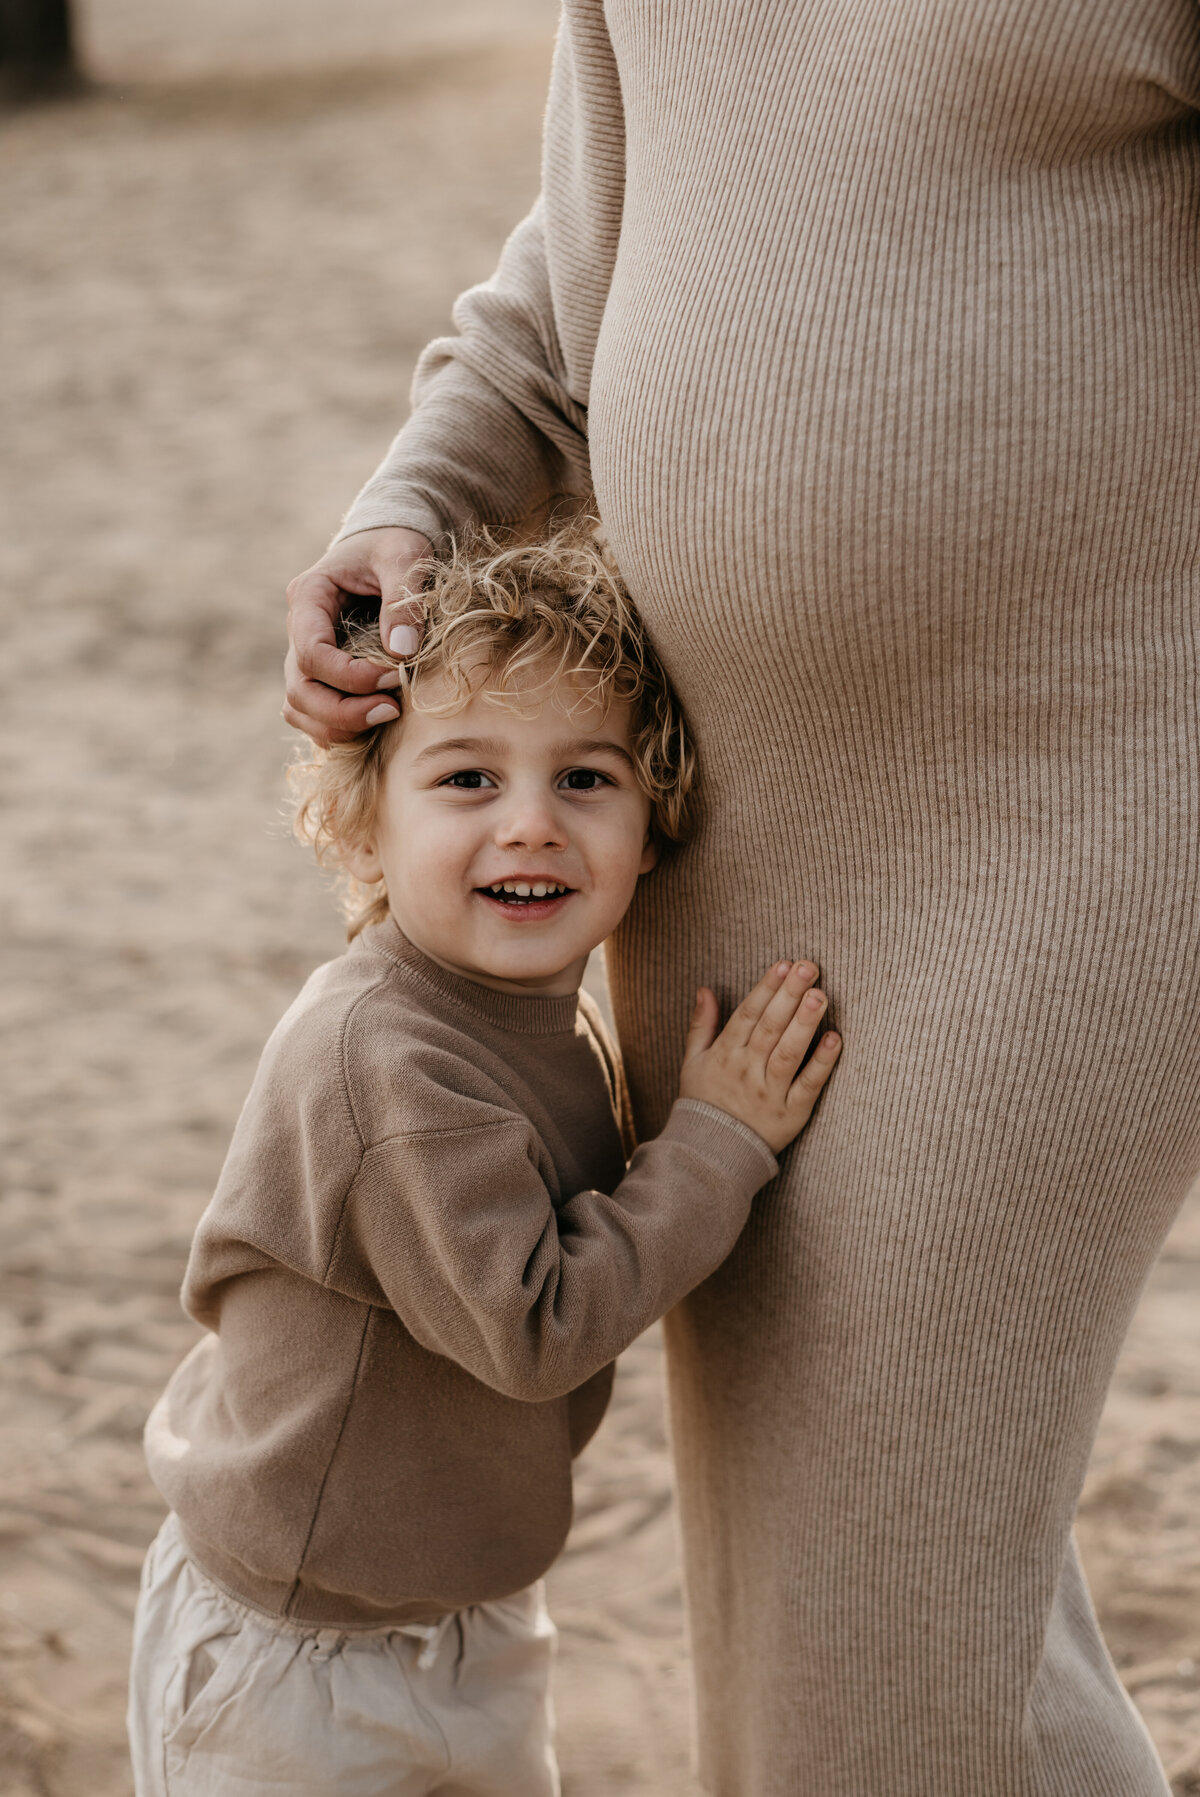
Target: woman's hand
[752,1068]
[330,695]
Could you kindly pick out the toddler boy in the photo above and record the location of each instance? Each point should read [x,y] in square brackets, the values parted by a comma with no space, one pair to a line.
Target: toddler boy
[426,1248]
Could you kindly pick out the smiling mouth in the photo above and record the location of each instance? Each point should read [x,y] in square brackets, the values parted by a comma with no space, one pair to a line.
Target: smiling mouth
[525,894]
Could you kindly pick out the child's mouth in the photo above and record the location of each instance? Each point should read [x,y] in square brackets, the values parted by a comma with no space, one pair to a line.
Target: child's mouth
[529,898]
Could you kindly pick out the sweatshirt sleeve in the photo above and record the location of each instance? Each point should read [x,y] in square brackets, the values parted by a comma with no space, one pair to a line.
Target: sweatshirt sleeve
[457,1232]
[499,420]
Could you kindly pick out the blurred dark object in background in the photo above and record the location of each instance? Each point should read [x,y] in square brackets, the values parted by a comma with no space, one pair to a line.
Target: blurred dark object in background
[37,50]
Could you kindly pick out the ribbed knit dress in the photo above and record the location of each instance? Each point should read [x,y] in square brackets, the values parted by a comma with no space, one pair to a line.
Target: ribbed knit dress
[876,326]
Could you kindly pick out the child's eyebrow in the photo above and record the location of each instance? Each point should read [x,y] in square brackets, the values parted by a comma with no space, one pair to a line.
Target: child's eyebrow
[462,745]
[591,745]
[493,747]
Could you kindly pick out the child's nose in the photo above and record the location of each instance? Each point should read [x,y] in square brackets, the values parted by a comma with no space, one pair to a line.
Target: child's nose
[530,822]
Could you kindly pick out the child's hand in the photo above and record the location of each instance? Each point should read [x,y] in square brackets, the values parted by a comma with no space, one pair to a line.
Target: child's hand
[750,1069]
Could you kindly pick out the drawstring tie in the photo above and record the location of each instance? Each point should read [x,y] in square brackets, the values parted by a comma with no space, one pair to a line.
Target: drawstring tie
[432,1634]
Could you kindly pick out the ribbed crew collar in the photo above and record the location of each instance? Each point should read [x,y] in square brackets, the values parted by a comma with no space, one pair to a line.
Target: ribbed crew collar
[504,1010]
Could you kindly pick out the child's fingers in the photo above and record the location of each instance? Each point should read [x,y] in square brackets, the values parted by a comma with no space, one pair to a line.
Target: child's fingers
[796,1040]
[741,1025]
[815,1072]
[702,1029]
[779,1013]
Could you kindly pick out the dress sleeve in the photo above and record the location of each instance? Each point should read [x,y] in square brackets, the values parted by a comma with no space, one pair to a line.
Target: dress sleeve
[457,1233]
[499,419]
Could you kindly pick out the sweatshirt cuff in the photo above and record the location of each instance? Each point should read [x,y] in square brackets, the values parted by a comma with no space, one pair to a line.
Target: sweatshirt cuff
[387,504]
[739,1150]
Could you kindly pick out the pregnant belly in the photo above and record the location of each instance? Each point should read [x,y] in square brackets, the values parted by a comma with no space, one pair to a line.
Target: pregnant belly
[908,502]
[896,434]
[904,505]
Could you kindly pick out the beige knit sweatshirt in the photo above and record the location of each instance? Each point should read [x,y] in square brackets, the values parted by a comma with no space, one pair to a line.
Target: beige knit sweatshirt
[876,326]
[423,1254]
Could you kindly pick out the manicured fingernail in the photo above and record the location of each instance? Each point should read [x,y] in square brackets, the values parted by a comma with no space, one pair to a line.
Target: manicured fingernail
[405,640]
[382,714]
[388,680]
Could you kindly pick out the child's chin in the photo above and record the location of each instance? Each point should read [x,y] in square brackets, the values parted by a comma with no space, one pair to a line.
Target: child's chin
[519,962]
[530,967]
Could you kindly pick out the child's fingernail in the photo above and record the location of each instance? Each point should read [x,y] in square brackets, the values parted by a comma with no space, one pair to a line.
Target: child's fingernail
[814,1001]
[388,680]
[831,1039]
[382,714]
[405,640]
[781,967]
[806,970]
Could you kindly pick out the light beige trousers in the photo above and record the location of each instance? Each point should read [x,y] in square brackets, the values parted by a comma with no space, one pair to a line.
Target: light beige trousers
[225,1702]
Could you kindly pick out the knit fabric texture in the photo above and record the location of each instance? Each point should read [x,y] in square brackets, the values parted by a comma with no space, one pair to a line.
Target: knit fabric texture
[876,328]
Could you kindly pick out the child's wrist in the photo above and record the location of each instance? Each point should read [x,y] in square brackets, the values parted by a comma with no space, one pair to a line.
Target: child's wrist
[728,1107]
[727,1119]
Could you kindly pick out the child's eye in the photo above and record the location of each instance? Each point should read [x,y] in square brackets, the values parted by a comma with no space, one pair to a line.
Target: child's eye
[469,779]
[584,779]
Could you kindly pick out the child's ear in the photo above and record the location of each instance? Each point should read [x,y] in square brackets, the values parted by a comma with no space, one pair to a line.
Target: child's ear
[649,855]
[362,860]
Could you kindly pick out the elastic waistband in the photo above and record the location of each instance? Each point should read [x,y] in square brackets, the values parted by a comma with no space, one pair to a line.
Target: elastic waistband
[428,1627]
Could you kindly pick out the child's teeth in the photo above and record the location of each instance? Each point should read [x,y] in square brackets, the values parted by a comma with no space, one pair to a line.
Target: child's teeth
[529,889]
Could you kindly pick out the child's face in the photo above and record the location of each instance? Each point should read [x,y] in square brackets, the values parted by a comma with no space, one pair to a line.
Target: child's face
[485,798]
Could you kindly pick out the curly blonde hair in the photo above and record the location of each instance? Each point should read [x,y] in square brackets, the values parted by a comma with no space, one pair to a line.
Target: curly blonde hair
[511,623]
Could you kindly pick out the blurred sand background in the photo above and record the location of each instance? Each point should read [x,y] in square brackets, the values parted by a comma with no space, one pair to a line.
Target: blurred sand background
[215,275]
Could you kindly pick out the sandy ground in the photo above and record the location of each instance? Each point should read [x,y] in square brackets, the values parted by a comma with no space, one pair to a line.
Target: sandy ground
[216,274]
